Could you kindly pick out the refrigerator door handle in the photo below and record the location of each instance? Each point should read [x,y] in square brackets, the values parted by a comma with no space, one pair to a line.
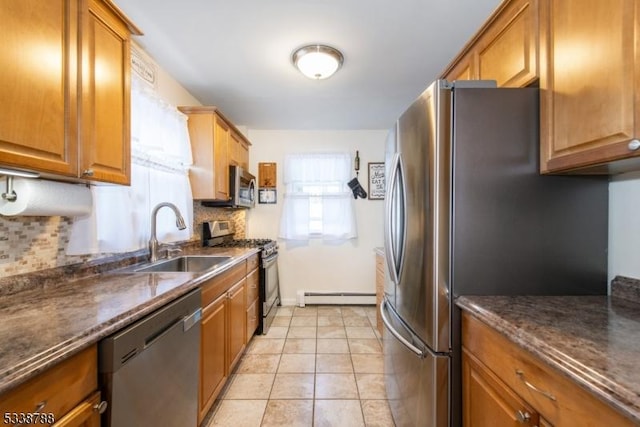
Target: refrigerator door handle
[383,307]
[395,219]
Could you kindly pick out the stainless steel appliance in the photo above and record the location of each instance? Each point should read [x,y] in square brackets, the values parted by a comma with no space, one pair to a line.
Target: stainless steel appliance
[149,370]
[220,233]
[468,213]
[242,190]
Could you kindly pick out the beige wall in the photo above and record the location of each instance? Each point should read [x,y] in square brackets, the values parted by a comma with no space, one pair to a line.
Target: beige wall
[319,266]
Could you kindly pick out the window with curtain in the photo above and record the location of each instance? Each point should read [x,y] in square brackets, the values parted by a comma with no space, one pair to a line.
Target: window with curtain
[317,200]
[160,158]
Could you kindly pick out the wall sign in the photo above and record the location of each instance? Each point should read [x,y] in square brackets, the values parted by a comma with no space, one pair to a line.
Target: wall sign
[267,175]
[267,183]
[143,68]
[267,196]
[376,181]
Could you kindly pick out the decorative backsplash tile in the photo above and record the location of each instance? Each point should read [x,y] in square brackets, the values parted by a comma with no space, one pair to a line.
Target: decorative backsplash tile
[29,244]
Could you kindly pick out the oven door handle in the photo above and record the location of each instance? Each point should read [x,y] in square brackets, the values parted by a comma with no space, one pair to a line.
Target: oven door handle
[267,262]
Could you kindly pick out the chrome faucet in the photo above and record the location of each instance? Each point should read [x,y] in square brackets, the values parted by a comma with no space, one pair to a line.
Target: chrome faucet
[153,241]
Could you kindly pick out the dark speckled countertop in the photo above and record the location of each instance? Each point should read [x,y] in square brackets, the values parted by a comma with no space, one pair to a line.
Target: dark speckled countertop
[44,324]
[593,340]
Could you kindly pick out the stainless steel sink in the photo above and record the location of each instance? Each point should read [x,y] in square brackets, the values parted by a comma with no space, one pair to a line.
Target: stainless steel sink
[186,263]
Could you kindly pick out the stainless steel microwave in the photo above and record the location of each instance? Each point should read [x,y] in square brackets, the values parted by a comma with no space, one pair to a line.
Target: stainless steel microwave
[242,190]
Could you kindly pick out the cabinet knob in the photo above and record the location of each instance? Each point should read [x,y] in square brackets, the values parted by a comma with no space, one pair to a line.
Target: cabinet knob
[634,144]
[87,172]
[100,407]
[523,417]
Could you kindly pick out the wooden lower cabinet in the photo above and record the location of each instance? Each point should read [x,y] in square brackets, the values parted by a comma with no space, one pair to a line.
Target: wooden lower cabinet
[213,357]
[488,402]
[86,414]
[66,394]
[225,329]
[237,322]
[505,385]
[253,296]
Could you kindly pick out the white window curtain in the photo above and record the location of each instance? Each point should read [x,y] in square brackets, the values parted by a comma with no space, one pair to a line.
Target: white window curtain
[160,157]
[317,200]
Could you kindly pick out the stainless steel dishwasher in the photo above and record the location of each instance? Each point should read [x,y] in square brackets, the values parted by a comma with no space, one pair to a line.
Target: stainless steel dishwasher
[149,370]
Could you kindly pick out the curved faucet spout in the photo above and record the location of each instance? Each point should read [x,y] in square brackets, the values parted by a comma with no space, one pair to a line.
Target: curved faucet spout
[153,241]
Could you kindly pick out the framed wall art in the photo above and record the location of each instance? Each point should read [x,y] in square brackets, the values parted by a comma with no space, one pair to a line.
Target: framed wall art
[267,196]
[376,181]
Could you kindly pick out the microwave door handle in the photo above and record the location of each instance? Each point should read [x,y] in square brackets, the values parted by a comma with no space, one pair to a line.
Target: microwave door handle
[252,190]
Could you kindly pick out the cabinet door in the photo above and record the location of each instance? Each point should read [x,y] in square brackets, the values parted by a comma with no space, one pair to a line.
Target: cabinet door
[234,149]
[464,69]
[86,414]
[38,80]
[221,158]
[253,313]
[244,155]
[487,402]
[507,52]
[105,108]
[589,83]
[213,344]
[237,322]
[238,151]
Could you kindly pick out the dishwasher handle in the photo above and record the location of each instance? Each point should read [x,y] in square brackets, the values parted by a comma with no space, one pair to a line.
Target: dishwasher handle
[187,322]
[191,320]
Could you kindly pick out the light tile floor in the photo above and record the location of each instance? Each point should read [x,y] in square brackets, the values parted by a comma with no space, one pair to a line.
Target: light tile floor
[318,366]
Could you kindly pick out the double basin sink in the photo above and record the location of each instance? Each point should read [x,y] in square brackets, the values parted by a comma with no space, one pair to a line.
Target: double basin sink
[185,263]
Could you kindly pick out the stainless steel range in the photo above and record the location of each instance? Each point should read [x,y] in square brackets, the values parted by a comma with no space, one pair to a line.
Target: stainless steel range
[220,234]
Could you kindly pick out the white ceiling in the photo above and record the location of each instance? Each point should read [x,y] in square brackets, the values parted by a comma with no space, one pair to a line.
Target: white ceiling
[236,54]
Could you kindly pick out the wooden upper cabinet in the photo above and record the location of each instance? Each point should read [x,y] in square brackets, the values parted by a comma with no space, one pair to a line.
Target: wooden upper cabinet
[105,153]
[590,85]
[508,52]
[505,49]
[38,78]
[464,68]
[209,136]
[222,139]
[239,150]
[215,144]
[64,82]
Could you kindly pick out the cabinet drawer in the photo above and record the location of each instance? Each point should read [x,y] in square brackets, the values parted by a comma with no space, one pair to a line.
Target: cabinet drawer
[58,389]
[252,263]
[253,281]
[213,288]
[253,313]
[558,399]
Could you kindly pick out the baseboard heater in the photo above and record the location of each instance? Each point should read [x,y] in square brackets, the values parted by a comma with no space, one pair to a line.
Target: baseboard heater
[335,298]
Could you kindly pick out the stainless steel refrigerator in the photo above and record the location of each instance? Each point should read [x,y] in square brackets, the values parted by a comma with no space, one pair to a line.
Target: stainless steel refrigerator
[467,213]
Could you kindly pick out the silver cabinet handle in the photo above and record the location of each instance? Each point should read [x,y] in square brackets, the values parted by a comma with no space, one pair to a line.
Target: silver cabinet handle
[39,407]
[523,417]
[100,407]
[546,394]
[87,172]
[634,144]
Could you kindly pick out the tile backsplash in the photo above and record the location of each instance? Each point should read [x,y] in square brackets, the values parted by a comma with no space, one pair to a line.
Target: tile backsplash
[29,244]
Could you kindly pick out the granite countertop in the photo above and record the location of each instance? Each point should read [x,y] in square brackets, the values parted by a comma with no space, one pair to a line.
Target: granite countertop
[593,340]
[42,325]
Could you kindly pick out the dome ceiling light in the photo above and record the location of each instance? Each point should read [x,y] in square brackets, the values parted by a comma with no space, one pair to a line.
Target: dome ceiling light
[317,61]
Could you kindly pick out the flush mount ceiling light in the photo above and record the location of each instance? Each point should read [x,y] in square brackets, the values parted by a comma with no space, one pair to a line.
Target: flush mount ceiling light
[317,61]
